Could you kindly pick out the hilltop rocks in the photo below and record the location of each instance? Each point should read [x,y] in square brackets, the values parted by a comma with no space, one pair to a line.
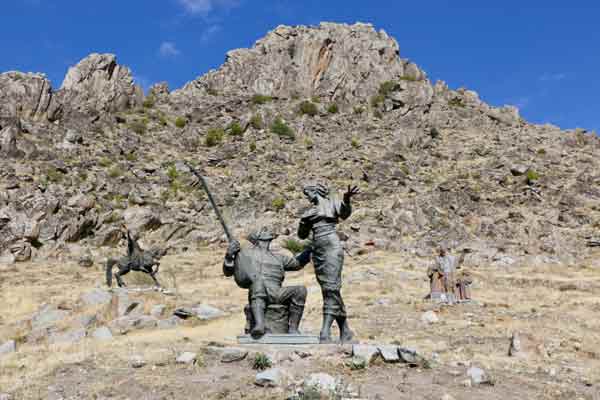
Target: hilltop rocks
[337,61]
[97,84]
[24,95]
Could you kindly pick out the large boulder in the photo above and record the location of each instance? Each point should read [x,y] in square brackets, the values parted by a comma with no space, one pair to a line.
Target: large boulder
[24,95]
[98,84]
[338,61]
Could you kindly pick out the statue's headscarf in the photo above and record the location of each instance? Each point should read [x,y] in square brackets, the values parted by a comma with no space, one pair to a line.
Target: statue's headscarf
[321,189]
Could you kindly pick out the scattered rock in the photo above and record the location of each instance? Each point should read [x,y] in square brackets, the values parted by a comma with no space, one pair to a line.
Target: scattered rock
[270,378]
[233,354]
[430,317]
[158,310]
[389,353]
[367,352]
[7,348]
[102,333]
[186,358]
[87,320]
[137,361]
[323,383]
[68,337]
[168,323]
[478,376]
[515,350]
[206,312]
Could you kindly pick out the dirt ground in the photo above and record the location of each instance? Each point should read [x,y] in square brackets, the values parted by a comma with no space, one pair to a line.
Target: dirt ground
[555,310]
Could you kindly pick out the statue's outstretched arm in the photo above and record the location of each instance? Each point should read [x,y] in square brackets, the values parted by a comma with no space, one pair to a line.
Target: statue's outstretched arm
[298,262]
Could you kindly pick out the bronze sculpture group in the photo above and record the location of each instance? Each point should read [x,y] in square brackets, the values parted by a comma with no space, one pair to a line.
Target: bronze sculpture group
[262,272]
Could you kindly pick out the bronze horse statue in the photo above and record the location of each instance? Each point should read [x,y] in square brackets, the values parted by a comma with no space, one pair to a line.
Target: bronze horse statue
[136,259]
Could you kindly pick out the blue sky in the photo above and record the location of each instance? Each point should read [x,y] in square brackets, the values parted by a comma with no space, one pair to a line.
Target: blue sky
[543,58]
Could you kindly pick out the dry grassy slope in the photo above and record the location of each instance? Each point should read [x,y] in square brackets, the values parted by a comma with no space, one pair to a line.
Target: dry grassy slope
[552,307]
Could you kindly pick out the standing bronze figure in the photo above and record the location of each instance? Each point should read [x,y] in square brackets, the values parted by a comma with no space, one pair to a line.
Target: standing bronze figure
[328,253]
[262,272]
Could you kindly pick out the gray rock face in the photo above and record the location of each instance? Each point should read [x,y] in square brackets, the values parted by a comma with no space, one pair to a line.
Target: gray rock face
[206,312]
[7,348]
[336,61]
[186,358]
[68,337]
[102,333]
[96,297]
[47,316]
[271,377]
[233,354]
[389,353]
[24,95]
[365,352]
[98,84]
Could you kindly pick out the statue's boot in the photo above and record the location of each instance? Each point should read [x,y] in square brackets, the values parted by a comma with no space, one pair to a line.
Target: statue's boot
[295,317]
[249,319]
[325,335]
[346,334]
[258,313]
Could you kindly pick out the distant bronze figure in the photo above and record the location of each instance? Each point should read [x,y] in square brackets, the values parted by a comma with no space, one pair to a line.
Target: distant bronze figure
[442,277]
[136,259]
[262,272]
[328,253]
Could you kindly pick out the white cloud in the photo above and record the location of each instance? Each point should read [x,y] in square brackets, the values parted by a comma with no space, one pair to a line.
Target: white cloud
[168,49]
[553,77]
[210,32]
[203,7]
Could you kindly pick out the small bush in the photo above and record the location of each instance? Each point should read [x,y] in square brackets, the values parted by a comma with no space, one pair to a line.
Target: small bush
[408,78]
[355,143]
[456,102]
[386,88]
[252,146]
[358,110]
[280,128]
[333,108]
[261,362]
[532,176]
[214,136]
[257,122]
[212,92]
[308,108]
[115,172]
[293,245]
[308,142]
[149,102]
[315,99]
[54,175]
[278,203]
[235,129]
[180,122]
[131,157]
[377,100]
[172,173]
[105,162]
[138,126]
[261,99]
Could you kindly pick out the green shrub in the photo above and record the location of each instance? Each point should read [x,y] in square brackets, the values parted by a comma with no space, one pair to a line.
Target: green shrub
[376,100]
[278,203]
[54,175]
[149,102]
[115,172]
[257,122]
[105,162]
[308,142]
[252,146]
[131,157]
[235,129]
[315,99]
[138,126]
[308,108]
[261,362]
[261,99]
[180,122]
[333,108]
[355,143]
[408,78]
[214,136]
[456,102]
[532,176]
[358,110]
[172,173]
[386,88]
[280,128]
[293,245]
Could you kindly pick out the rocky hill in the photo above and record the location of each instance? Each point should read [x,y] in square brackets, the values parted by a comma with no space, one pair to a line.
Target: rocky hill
[334,103]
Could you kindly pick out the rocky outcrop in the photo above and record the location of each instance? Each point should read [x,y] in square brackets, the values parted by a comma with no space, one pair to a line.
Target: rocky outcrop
[336,61]
[97,84]
[24,95]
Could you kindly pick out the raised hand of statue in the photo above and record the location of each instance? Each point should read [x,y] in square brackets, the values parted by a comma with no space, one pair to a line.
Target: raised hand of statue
[232,250]
[352,191]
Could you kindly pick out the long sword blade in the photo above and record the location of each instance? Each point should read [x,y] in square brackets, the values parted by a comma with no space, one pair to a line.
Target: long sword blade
[212,202]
